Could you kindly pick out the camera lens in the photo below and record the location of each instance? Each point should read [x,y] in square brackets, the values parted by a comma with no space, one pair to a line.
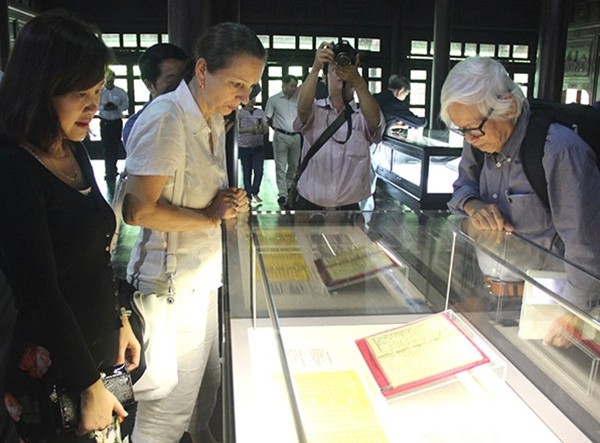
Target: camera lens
[343,59]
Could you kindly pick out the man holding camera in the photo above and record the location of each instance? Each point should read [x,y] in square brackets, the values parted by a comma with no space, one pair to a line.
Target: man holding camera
[338,176]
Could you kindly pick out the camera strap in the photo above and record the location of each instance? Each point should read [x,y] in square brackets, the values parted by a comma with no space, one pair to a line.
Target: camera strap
[326,135]
[348,111]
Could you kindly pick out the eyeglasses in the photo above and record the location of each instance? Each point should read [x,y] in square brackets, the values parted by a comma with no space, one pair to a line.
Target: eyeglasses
[473,132]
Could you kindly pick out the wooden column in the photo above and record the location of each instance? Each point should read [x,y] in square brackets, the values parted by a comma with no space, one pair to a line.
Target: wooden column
[396,47]
[188,19]
[551,50]
[441,57]
[4,34]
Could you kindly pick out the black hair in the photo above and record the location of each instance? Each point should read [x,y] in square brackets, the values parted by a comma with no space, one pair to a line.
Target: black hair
[288,78]
[149,62]
[221,42]
[398,82]
[55,53]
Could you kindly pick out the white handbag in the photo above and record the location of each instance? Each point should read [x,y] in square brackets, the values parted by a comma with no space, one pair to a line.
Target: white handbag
[157,312]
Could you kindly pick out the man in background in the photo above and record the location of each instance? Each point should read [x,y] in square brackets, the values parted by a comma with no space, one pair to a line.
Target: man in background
[113,101]
[161,69]
[337,177]
[395,106]
[281,110]
[398,116]
[252,126]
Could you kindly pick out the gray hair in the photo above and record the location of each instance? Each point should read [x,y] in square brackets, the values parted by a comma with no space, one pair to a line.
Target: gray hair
[483,82]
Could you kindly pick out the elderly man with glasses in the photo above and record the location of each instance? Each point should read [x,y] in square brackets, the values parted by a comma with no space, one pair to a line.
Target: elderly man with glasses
[481,102]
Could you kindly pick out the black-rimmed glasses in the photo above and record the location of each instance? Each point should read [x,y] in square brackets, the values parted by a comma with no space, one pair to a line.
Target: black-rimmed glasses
[473,132]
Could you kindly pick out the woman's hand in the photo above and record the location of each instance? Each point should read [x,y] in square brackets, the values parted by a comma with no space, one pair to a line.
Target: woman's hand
[97,407]
[242,200]
[129,347]
[227,203]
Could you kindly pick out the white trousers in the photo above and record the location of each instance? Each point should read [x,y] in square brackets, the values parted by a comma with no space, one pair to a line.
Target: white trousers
[165,420]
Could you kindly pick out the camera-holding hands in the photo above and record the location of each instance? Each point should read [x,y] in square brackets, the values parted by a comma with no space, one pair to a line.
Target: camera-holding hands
[110,106]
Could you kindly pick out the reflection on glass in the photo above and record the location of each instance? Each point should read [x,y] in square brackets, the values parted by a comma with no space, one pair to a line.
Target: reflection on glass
[443,172]
[407,167]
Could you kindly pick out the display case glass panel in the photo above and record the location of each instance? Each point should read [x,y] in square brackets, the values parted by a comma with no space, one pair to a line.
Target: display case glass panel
[424,165]
[303,288]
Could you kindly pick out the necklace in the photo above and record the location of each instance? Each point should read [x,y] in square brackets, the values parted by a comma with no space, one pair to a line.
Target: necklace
[71,178]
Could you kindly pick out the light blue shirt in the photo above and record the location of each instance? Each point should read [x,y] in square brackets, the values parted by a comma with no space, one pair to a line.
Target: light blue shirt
[571,226]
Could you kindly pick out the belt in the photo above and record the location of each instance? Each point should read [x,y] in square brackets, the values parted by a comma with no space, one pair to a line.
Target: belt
[499,288]
[286,132]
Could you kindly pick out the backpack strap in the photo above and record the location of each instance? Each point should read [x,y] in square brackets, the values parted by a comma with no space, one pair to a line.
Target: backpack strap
[532,151]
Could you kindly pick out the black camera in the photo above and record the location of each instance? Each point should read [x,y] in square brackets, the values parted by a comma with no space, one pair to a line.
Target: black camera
[345,54]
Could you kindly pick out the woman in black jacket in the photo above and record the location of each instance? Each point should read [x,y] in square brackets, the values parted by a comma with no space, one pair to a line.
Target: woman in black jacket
[55,233]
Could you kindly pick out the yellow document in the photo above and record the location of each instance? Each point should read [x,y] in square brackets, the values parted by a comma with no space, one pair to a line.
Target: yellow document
[334,407]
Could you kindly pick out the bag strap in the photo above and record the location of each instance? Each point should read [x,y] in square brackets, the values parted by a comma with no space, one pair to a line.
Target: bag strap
[326,135]
[173,237]
[532,151]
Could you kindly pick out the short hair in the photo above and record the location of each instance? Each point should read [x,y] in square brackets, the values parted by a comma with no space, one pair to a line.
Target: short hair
[288,78]
[149,62]
[55,53]
[224,41]
[483,82]
[397,81]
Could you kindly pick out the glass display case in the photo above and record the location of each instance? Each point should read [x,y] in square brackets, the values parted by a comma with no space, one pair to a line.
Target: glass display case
[423,165]
[388,327]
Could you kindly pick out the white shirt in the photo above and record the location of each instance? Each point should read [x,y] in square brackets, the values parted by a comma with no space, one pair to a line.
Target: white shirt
[117,96]
[283,111]
[171,128]
[340,172]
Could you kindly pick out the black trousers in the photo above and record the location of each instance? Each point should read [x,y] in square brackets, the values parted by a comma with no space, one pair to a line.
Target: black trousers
[110,131]
[305,205]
